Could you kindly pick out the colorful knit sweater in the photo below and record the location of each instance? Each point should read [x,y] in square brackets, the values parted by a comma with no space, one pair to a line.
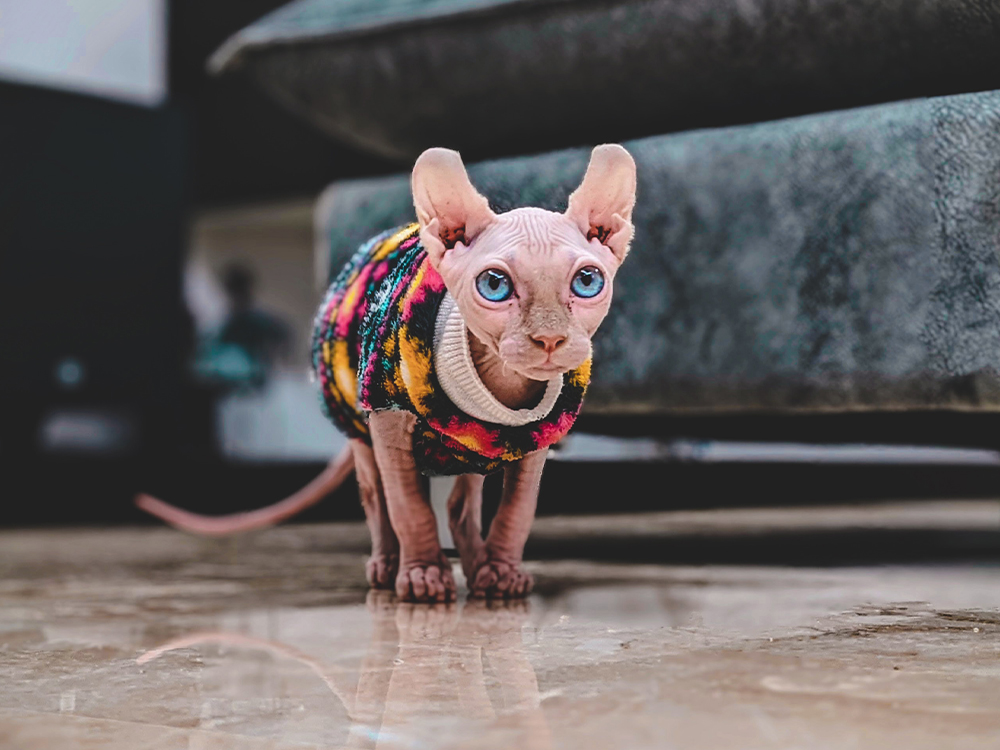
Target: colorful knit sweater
[375,329]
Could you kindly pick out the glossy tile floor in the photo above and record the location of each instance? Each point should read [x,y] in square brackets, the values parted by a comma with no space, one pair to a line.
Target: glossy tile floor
[146,638]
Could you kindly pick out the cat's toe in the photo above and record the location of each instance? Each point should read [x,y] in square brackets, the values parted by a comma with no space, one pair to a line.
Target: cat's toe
[381,570]
[426,583]
[521,585]
[496,579]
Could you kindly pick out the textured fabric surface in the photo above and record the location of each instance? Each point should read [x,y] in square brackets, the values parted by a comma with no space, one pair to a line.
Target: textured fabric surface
[373,349]
[839,261]
[329,19]
[498,77]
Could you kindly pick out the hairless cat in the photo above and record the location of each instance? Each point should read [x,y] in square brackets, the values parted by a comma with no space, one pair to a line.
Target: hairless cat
[458,345]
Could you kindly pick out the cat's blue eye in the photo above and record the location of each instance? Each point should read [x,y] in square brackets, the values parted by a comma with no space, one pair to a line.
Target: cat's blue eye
[588,282]
[494,285]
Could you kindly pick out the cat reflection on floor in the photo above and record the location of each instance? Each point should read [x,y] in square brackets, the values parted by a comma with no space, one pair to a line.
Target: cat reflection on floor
[422,659]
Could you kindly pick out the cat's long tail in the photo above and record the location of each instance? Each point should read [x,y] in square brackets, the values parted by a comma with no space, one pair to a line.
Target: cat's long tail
[331,478]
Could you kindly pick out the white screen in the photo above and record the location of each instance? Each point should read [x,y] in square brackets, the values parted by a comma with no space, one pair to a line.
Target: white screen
[110,48]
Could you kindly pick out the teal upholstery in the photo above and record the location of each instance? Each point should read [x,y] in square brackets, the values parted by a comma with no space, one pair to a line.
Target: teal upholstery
[846,260]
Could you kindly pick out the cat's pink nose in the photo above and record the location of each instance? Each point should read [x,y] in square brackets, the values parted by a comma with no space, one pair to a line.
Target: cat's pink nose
[548,343]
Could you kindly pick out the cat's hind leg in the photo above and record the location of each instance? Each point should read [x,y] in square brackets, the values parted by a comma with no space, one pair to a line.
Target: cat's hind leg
[383,566]
[465,520]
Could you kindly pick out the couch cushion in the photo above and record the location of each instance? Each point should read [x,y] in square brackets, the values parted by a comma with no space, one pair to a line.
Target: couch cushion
[496,77]
[838,261]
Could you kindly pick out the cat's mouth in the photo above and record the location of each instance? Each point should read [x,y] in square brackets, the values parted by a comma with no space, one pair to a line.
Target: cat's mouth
[543,371]
[550,371]
[533,364]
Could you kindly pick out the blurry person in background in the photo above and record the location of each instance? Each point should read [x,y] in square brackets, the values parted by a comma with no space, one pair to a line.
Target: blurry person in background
[264,337]
[250,342]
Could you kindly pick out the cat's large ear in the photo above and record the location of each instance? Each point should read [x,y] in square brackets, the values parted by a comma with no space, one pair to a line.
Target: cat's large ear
[448,207]
[602,205]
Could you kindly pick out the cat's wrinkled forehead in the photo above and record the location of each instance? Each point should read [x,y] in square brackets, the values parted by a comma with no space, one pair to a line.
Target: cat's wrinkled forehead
[533,230]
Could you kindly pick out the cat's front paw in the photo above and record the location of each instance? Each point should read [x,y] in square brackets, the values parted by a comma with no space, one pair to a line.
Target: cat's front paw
[426,582]
[381,571]
[498,579]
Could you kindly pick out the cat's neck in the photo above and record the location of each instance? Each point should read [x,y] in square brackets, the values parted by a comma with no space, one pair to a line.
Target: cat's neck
[508,387]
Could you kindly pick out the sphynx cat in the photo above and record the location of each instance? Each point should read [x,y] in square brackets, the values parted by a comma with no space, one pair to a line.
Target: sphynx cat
[557,270]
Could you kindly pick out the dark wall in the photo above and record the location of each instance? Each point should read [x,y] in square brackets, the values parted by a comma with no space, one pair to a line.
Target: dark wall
[92,200]
[92,204]
[244,146]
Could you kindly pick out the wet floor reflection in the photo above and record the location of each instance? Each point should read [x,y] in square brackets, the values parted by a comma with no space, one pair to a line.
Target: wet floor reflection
[424,665]
[276,648]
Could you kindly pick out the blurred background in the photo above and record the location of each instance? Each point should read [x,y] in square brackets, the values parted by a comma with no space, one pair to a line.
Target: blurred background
[810,314]
[157,267]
